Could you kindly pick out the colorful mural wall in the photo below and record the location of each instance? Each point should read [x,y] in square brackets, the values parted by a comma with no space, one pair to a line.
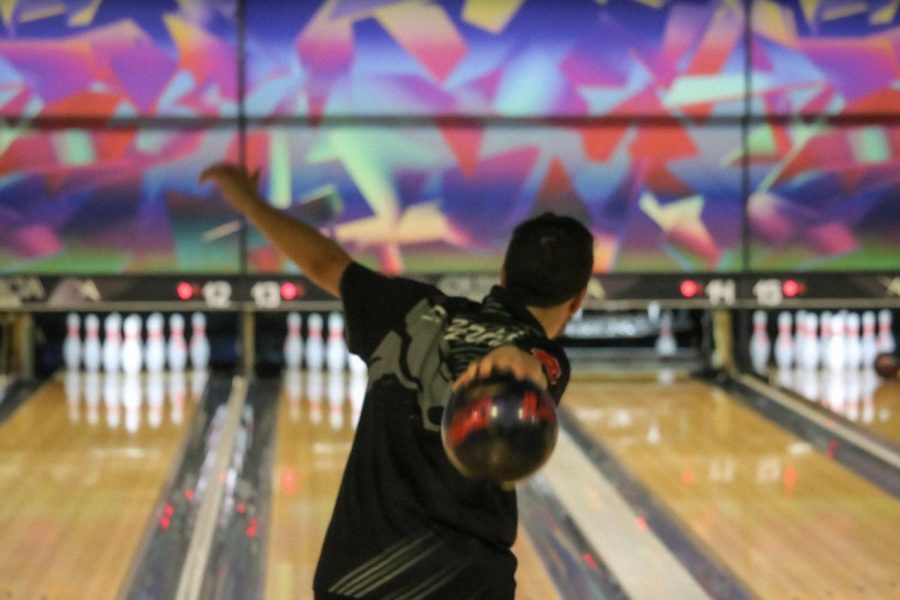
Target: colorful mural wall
[689,135]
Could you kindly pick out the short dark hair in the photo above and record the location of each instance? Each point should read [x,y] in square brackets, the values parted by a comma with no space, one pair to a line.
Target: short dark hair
[549,260]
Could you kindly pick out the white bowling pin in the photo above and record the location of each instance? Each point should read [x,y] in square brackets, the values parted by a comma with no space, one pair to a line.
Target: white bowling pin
[92,352]
[131,400]
[336,348]
[132,352]
[808,354]
[869,341]
[784,342]
[112,342]
[852,343]
[760,347]
[155,348]
[665,343]
[824,337]
[315,344]
[72,343]
[886,341]
[293,342]
[176,348]
[836,350]
[199,349]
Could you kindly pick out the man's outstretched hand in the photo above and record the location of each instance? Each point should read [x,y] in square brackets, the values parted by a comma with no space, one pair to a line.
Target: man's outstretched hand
[237,185]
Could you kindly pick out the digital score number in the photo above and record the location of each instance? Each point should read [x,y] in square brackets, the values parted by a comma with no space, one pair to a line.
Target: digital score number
[772,292]
[719,291]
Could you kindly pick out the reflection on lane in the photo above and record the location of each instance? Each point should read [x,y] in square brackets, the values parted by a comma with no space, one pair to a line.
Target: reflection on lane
[788,521]
[80,475]
[858,395]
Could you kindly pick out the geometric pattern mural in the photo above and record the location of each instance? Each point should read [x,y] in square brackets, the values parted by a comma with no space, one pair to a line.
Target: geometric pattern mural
[419,132]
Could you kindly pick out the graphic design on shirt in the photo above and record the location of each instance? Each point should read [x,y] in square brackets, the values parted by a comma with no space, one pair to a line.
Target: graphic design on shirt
[393,563]
[433,350]
[552,368]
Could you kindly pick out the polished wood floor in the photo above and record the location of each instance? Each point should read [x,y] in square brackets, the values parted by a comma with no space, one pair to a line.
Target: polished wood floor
[786,519]
[81,469]
[314,433]
[80,474]
[861,396]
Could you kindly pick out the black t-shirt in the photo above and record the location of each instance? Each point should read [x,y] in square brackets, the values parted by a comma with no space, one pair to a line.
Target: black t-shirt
[405,521]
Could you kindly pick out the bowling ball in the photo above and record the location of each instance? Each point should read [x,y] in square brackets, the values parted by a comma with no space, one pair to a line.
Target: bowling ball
[886,365]
[499,428]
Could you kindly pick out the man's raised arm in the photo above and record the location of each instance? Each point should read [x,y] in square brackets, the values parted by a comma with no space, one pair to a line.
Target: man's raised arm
[320,258]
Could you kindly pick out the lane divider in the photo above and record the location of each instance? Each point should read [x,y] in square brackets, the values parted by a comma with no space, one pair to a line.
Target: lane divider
[193,571]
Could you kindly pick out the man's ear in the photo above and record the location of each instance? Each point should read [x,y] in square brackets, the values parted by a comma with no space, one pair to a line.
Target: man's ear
[576,302]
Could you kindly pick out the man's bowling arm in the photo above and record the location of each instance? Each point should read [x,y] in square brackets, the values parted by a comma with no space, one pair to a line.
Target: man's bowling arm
[320,258]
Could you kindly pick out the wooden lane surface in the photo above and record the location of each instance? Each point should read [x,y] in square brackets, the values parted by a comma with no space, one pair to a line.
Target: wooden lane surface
[312,444]
[863,397]
[787,520]
[77,494]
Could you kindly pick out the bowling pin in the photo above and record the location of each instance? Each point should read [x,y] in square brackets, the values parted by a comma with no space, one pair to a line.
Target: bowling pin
[199,349]
[799,332]
[293,343]
[315,344]
[808,353]
[132,353]
[824,338]
[836,350]
[112,342]
[852,343]
[336,348]
[759,342]
[176,348]
[665,343]
[72,343]
[155,348]
[92,352]
[886,341]
[784,342]
[869,341]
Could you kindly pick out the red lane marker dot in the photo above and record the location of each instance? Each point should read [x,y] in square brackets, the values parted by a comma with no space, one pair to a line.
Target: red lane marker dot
[185,290]
[288,290]
[590,561]
[790,288]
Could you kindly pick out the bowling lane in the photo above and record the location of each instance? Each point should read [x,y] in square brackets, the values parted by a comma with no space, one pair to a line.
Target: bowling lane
[785,519]
[316,418]
[82,464]
[860,396]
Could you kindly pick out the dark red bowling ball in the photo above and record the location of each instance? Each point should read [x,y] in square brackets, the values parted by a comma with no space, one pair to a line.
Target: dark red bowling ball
[886,365]
[500,428]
